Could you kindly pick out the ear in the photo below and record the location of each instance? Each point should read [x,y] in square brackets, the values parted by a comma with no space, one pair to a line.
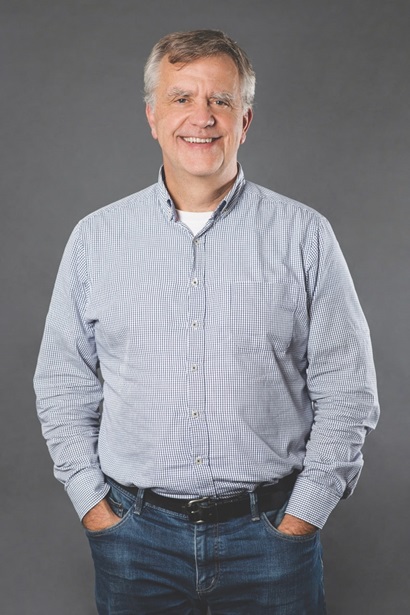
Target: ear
[246,122]
[149,112]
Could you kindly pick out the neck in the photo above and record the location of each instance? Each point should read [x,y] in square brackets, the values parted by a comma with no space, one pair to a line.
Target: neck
[198,194]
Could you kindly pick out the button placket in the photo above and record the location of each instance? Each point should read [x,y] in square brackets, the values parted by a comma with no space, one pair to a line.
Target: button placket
[198,428]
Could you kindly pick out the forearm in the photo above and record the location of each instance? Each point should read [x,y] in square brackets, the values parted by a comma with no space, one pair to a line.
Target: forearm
[71,434]
[333,459]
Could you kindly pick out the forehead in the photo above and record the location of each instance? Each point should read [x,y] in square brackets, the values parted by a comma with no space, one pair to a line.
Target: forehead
[216,71]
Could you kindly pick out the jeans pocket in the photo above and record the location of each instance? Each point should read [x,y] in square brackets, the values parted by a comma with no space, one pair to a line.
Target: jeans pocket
[115,505]
[122,505]
[271,521]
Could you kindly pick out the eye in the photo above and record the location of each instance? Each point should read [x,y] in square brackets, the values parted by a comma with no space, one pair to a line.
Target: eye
[181,100]
[221,103]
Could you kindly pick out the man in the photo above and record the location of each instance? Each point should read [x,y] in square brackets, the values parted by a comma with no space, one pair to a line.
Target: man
[238,377]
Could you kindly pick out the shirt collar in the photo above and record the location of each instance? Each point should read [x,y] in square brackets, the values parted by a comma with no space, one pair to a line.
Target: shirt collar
[225,206]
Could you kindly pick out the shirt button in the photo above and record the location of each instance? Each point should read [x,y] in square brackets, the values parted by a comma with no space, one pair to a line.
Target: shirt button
[195,324]
[194,367]
[195,414]
[195,282]
[197,242]
[198,461]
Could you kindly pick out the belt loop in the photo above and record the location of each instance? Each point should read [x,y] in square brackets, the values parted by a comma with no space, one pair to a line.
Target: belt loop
[254,506]
[139,502]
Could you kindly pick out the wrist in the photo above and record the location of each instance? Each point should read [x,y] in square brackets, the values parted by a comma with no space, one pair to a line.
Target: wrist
[99,517]
[295,526]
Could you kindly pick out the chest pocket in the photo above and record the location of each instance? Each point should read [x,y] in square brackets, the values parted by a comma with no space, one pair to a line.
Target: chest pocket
[262,315]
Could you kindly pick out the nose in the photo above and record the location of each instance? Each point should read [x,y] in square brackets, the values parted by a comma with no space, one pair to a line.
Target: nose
[202,115]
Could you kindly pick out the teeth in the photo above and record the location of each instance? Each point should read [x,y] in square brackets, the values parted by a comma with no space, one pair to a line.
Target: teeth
[196,140]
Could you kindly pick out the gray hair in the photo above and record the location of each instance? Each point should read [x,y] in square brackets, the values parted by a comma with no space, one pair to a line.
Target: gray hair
[190,46]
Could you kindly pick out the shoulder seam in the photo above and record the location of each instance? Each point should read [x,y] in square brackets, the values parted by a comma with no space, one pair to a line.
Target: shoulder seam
[123,203]
[279,199]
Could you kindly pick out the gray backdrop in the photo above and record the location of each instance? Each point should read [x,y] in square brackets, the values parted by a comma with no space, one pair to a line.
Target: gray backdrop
[331,129]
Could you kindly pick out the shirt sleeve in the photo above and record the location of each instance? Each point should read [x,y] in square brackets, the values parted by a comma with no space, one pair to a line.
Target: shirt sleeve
[341,382]
[67,385]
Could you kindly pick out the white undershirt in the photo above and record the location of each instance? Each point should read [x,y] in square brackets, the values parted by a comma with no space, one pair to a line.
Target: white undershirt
[194,220]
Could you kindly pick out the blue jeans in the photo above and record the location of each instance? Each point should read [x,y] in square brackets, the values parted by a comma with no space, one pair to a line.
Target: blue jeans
[157,562]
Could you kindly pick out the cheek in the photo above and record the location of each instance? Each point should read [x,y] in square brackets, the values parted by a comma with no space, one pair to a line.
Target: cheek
[161,131]
[166,127]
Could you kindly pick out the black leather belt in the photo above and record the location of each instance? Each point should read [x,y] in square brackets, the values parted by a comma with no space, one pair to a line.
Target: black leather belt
[212,510]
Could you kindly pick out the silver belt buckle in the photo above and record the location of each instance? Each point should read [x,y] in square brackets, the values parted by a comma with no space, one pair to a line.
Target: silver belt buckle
[193,509]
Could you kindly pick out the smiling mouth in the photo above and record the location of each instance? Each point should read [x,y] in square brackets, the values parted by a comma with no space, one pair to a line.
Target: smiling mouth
[198,140]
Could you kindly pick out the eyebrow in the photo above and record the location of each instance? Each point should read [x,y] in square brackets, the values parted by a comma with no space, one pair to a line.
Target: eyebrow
[225,96]
[178,92]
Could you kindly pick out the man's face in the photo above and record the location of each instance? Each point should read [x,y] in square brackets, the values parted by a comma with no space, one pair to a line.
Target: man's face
[198,118]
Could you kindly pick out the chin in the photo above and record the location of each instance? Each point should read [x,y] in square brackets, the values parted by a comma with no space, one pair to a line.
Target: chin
[203,170]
